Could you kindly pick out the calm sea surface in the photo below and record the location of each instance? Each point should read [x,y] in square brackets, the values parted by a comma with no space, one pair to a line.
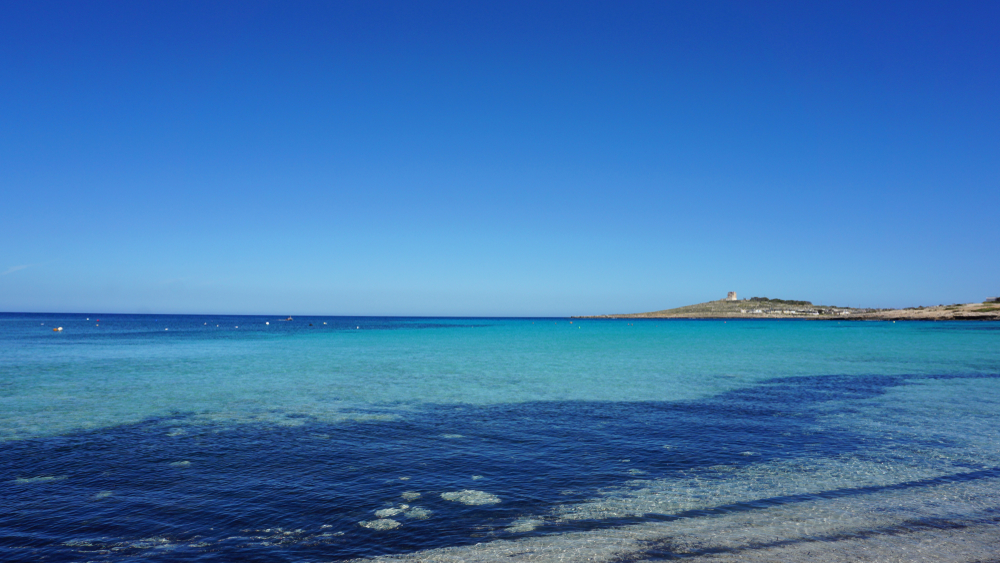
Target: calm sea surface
[215,438]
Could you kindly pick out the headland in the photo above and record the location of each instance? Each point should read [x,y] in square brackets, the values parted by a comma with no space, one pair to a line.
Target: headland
[766,308]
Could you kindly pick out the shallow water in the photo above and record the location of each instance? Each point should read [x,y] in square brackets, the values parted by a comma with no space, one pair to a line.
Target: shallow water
[185,437]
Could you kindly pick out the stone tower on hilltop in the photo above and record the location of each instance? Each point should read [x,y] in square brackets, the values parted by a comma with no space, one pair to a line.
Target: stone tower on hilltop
[731,296]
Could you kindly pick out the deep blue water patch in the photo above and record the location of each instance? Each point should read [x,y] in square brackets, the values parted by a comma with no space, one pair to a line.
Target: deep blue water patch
[120,329]
[263,492]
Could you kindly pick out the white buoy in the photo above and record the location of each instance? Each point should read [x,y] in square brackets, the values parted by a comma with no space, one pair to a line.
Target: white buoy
[59,329]
[267,323]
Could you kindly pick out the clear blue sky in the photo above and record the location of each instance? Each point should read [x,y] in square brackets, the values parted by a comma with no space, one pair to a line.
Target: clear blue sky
[504,158]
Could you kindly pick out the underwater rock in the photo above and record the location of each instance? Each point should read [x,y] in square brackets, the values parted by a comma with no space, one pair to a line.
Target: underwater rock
[524,525]
[42,479]
[380,524]
[418,513]
[387,512]
[471,497]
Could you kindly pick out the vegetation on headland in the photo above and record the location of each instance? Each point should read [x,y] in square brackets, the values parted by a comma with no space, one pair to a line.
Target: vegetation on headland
[763,307]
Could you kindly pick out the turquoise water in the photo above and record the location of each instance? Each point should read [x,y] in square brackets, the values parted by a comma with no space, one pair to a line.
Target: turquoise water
[623,433]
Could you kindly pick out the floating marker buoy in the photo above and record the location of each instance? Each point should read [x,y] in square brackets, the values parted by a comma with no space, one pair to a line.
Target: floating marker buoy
[237,327]
[267,323]
[166,329]
[359,328]
[59,329]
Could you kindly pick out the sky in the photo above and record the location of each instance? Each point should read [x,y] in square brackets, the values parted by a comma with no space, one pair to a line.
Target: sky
[495,158]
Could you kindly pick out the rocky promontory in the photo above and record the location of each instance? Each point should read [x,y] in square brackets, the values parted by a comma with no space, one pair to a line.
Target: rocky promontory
[765,308]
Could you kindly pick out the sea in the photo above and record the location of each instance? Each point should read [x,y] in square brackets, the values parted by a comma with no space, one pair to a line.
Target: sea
[268,439]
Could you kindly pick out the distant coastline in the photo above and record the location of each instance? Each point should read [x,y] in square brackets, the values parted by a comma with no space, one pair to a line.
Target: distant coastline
[765,308]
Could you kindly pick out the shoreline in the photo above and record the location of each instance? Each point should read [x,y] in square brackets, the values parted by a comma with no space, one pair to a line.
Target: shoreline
[752,309]
[787,318]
